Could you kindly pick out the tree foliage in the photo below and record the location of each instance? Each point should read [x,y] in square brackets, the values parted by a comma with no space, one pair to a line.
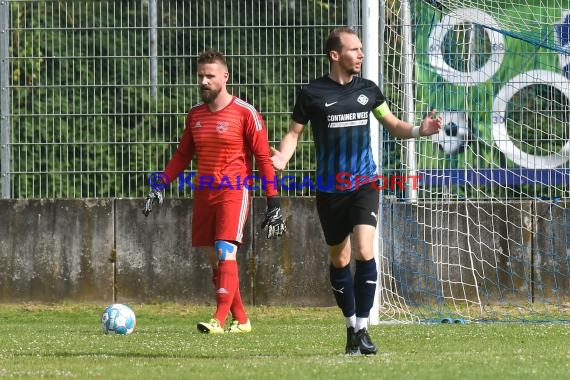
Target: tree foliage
[87,121]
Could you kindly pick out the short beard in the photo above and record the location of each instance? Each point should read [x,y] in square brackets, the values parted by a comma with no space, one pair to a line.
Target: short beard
[208,96]
[353,71]
[350,70]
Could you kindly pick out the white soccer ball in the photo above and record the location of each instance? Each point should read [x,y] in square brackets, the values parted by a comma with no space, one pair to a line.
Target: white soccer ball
[118,319]
[454,134]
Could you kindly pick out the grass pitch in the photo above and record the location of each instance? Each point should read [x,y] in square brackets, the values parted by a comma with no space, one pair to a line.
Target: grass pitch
[65,341]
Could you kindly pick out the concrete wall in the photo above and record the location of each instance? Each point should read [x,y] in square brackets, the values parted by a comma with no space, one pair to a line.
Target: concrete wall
[155,260]
[518,251]
[93,250]
[56,250]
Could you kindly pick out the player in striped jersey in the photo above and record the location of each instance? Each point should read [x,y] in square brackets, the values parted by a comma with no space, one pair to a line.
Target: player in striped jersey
[338,107]
[222,133]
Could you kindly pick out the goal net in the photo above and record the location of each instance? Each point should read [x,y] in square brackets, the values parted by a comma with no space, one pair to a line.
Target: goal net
[484,233]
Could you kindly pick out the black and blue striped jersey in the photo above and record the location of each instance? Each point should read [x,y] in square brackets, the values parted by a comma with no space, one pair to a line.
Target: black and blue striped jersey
[340,122]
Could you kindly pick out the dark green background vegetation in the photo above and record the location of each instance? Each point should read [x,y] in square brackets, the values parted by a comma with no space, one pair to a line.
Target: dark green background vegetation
[85,121]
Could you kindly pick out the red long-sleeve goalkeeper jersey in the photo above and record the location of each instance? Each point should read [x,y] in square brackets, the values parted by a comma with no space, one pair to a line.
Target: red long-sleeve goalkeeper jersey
[223,143]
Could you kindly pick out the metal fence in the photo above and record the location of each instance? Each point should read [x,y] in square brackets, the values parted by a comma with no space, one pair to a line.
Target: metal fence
[94,93]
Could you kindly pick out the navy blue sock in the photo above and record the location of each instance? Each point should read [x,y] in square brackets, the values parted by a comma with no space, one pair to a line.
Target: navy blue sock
[365,277]
[343,289]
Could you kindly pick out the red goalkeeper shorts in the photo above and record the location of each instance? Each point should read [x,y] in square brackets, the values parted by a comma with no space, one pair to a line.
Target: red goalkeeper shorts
[219,214]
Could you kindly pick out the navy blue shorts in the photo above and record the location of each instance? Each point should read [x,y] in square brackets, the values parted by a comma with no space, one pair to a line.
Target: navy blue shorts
[340,212]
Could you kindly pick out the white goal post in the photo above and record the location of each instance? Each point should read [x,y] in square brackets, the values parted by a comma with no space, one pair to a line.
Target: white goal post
[484,236]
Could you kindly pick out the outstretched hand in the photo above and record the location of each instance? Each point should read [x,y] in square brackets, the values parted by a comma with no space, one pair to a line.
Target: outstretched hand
[431,124]
[277,159]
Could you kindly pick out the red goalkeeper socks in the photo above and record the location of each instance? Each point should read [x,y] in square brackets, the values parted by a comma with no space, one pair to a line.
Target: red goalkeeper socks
[226,290]
[237,309]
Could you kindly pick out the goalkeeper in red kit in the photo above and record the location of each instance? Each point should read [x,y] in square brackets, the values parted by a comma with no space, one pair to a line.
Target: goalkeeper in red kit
[222,133]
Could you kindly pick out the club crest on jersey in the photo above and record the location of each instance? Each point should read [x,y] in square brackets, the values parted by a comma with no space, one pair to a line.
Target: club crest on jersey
[197,125]
[222,126]
[362,99]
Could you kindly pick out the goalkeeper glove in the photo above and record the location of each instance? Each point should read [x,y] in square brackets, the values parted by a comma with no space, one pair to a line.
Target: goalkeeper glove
[152,197]
[273,219]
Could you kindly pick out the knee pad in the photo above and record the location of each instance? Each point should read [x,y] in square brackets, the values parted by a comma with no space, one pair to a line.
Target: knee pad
[222,248]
